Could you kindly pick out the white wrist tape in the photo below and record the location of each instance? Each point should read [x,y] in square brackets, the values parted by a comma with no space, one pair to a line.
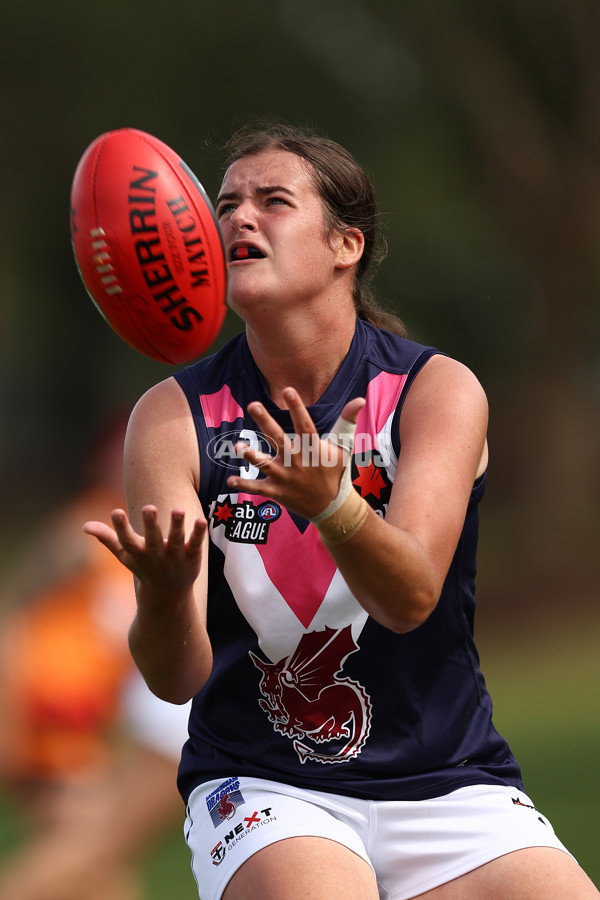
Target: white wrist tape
[348,510]
[342,436]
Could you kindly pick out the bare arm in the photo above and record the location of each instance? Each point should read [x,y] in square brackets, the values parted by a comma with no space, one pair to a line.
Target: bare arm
[396,566]
[163,541]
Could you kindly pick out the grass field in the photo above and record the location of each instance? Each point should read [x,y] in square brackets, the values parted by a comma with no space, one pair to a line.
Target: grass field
[546,689]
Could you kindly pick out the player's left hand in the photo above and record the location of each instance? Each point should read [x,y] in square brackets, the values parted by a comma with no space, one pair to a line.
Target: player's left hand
[305,474]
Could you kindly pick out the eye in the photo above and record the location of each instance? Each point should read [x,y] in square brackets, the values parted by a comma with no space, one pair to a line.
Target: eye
[225,208]
[276,201]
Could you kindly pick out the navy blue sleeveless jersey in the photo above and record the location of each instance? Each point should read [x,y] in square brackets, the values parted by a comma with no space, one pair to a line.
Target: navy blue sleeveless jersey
[306,688]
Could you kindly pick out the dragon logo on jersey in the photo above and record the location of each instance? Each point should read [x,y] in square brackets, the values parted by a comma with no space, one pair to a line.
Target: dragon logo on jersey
[306,699]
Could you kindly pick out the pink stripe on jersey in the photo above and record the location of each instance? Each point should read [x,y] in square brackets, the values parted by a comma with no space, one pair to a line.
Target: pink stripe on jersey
[220,407]
[382,398]
[297,564]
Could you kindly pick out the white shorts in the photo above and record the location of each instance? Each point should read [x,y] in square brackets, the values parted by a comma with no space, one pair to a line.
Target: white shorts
[412,846]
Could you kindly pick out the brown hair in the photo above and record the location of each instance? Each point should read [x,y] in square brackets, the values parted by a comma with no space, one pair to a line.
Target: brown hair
[347,194]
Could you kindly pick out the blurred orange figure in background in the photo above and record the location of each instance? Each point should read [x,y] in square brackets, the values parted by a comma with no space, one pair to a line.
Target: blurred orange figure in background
[86,751]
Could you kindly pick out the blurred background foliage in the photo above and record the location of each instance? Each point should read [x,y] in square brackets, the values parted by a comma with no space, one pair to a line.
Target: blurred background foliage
[479,121]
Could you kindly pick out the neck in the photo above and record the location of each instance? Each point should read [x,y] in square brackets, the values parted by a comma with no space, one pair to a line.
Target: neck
[303,355]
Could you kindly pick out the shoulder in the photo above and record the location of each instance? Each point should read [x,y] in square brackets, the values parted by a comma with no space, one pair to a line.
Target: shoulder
[161,430]
[162,406]
[431,374]
[446,405]
[443,380]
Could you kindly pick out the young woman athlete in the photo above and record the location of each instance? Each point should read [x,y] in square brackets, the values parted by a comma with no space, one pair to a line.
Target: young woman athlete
[302,528]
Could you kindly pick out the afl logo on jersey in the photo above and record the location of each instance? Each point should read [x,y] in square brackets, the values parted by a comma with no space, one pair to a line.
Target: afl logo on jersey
[269,511]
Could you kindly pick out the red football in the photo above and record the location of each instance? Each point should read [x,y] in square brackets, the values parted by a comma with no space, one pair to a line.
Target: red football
[148,246]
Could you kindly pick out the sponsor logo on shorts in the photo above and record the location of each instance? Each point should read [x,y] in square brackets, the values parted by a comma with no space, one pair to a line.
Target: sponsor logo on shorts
[223,801]
[218,854]
[258,819]
[517,802]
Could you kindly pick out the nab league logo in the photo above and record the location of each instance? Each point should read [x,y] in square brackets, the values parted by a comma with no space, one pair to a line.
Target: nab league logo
[307,701]
[244,522]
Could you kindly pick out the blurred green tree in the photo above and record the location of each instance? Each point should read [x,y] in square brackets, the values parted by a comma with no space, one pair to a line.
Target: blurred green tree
[522,82]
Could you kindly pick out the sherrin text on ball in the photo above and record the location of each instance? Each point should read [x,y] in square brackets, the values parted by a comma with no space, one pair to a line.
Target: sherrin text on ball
[148,246]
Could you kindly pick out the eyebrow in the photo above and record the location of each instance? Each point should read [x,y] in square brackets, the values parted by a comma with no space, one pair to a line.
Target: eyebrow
[267,189]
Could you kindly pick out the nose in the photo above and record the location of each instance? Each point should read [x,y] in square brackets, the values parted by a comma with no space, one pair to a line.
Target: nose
[243,218]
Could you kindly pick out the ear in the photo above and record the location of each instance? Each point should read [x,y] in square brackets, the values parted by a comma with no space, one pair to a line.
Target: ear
[349,245]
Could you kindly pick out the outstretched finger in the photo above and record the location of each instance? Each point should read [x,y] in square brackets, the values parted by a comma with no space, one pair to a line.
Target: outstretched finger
[176,537]
[129,538]
[253,456]
[263,487]
[197,535]
[301,418]
[105,534]
[268,426]
[152,531]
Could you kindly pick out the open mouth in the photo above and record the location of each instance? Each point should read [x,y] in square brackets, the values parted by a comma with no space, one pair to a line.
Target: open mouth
[245,252]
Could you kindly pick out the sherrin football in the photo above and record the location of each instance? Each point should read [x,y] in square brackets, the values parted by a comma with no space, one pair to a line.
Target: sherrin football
[148,246]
